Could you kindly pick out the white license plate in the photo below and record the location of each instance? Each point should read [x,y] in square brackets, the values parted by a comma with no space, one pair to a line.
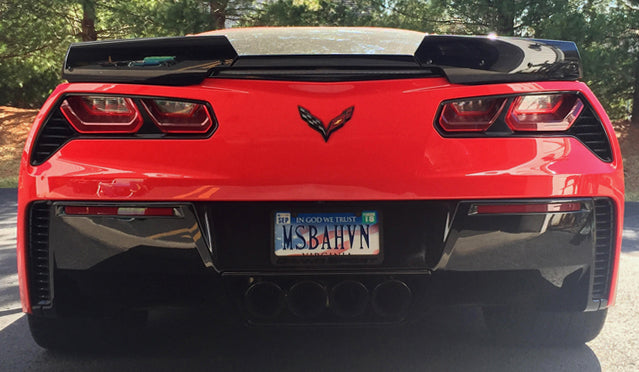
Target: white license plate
[326,234]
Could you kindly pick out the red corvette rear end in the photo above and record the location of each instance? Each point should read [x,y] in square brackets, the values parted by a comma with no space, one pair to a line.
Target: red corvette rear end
[322,176]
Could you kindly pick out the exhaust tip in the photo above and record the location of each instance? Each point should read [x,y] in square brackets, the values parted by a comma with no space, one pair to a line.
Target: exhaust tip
[349,299]
[264,300]
[391,298]
[307,299]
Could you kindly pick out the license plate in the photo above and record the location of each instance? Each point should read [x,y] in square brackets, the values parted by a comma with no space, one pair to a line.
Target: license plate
[326,234]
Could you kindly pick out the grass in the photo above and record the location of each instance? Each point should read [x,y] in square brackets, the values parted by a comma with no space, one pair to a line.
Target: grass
[9,172]
[9,182]
[632,196]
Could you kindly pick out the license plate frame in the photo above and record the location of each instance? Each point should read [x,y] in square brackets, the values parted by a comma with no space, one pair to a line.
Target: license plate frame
[365,251]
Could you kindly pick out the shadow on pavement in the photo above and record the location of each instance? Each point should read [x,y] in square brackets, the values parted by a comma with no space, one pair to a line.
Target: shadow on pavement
[8,269]
[630,241]
[191,340]
[8,200]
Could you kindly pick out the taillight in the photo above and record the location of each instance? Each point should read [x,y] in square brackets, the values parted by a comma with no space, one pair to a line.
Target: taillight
[520,208]
[544,112]
[172,116]
[118,211]
[470,115]
[102,114]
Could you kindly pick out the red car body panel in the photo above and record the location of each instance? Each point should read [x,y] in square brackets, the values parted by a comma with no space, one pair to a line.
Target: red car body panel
[263,151]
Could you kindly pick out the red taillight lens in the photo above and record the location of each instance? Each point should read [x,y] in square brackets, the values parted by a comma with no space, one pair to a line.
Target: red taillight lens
[545,112]
[118,211]
[178,116]
[470,115]
[524,208]
[102,114]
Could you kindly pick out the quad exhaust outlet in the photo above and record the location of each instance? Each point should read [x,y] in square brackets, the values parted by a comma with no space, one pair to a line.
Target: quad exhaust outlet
[264,300]
[307,299]
[347,299]
[391,298]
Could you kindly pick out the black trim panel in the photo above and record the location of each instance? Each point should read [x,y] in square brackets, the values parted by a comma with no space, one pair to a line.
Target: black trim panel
[104,239]
[556,243]
[412,235]
[326,68]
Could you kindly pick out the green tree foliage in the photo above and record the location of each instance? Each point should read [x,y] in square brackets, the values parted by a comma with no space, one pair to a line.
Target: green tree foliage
[504,17]
[407,14]
[626,49]
[608,49]
[423,15]
[140,18]
[310,13]
[34,34]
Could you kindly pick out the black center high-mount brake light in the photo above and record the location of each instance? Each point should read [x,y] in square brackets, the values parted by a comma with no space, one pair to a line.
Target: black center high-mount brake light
[112,114]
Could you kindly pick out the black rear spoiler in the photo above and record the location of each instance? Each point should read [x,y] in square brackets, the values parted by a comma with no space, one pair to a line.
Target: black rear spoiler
[479,60]
[189,60]
[159,61]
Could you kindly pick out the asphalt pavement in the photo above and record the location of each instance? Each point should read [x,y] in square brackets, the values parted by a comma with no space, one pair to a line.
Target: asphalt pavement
[192,340]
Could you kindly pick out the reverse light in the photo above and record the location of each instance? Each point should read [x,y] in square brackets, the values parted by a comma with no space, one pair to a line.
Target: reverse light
[172,116]
[102,114]
[118,211]
[519,208]
[544,112]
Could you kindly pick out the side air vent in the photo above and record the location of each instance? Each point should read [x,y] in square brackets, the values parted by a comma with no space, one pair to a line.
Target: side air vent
[39,258]
[589,130]
[604,246]
[53,135]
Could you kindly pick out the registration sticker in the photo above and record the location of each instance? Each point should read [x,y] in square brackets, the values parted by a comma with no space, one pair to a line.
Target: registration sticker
[326,234]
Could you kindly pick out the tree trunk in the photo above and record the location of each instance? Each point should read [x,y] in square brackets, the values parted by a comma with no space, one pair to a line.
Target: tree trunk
[634,118]
[88,21]
[218,13]
[505,18]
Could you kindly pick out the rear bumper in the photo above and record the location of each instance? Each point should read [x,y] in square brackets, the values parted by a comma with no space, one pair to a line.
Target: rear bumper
[440,250]
[389,157]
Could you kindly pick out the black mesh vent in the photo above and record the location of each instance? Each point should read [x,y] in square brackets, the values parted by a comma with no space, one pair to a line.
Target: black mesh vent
[39,262]
[604,245]
[55,133]
[589,130]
